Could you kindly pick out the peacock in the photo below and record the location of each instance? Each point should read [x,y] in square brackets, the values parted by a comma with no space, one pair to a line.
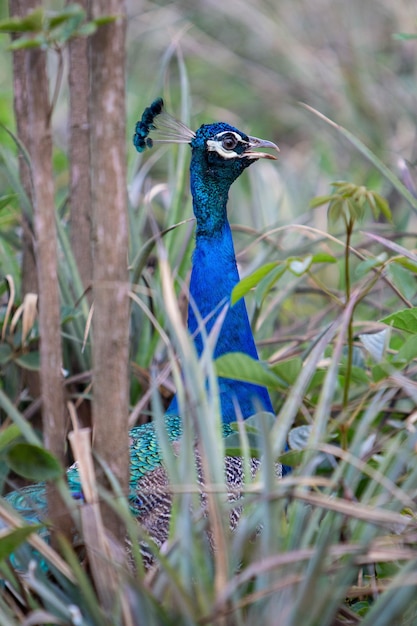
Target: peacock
[219,154]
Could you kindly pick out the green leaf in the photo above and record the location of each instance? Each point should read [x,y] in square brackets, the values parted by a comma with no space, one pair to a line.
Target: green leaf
[362,269]
[69,12]
[403,273]
[323,257]
[381,371]
[292,458]
[30,361]
[12,540]
[407,352]
[403,320]
[382,205]
[104,19]
[335,210]
[247,283]
[7,199]
[240,366]
[27,42]
[320,200]
[288,370]
[268,282]
[9,434]
[357,374]
[32,22]
[33,462]
[406,263]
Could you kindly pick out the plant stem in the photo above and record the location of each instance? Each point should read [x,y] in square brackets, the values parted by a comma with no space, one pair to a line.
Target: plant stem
[348,373]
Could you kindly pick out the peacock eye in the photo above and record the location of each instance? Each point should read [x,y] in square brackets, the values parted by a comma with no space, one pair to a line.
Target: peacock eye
[229,142]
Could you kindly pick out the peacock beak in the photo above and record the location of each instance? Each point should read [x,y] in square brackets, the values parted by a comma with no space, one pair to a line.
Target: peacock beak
[254,142]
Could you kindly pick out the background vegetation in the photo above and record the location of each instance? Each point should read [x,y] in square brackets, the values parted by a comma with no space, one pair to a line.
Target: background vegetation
[331,295]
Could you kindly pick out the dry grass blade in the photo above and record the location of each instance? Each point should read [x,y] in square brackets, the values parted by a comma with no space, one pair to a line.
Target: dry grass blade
[10,302]
[100,549]
[30,312]
[356,511]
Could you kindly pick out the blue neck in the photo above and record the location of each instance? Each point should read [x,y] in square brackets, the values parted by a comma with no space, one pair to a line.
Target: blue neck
[214,274]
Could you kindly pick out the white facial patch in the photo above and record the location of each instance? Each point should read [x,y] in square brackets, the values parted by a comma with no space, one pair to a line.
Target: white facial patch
[217,145]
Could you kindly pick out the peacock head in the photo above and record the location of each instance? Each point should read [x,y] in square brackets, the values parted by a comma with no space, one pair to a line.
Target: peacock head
[227,151]
[223,151]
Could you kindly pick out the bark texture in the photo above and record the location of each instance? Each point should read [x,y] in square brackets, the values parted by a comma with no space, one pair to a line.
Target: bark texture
[110,277]
[29,278]
[79,161]
[36,111]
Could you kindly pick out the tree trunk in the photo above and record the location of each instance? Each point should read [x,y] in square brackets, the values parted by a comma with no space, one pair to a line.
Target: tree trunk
[40,151]
[79,158]
[20,102]
[110,276]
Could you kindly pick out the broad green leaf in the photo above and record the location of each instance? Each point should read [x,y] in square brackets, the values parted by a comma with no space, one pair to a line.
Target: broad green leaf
[403,320]
[240,366]
[12,540]
[247,283]
[29,361]
[33,462]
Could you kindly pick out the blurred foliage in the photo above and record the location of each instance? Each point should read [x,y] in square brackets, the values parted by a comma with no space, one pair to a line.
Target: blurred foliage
[40,28]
